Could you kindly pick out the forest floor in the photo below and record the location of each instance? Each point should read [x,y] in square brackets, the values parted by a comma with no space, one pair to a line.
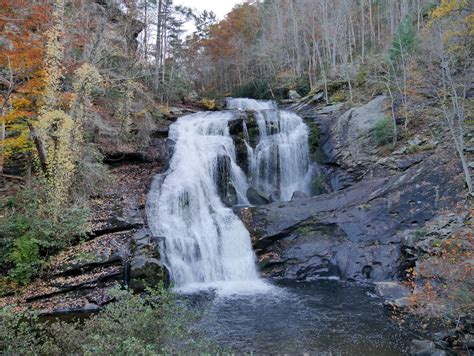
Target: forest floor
[79,278]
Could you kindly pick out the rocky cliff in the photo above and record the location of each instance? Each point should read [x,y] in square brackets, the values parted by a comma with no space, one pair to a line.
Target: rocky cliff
[378,202]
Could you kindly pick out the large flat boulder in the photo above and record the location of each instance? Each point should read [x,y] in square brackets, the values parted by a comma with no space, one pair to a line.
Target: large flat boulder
[355,233]
[350,142]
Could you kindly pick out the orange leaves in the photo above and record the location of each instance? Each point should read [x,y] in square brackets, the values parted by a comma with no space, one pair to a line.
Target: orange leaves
[22,25]
[15,115]
[240,26]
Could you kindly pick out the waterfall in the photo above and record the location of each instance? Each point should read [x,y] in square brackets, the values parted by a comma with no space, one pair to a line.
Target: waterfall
[204,243]
[280,161]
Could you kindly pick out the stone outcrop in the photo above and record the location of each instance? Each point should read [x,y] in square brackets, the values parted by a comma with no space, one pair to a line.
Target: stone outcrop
[146,269]
[349,142]
[358,231]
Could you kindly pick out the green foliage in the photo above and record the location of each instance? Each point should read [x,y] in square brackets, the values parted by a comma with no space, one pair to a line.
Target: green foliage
[28,233]
[403,42]
[26,258]
[156,323]
[20,332]
[92,176]
[300,84]
[382,132]
[313,141]
[421,233]
[174,89]
[257,89]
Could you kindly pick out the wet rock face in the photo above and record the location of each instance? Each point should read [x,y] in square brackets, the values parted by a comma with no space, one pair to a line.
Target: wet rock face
[146,269]
[299,195]
[257,198]
[356,233]
[223,181]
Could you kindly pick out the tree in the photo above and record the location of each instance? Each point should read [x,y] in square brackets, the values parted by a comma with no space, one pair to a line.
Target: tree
[22,26]
[447,60]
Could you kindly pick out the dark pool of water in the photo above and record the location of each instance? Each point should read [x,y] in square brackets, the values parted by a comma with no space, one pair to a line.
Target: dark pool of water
[325,317]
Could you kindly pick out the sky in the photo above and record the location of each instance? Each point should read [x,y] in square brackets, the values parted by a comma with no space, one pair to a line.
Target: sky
[220,7]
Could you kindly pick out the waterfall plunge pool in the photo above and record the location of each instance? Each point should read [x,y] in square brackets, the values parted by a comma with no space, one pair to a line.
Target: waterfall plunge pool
[323,317]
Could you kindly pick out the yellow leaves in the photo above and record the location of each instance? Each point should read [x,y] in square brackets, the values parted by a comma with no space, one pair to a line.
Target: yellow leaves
[86,78]
[21,102]
[447,7]
[208,104]
[17,144]
[443,9]
[62,140]
[53,58]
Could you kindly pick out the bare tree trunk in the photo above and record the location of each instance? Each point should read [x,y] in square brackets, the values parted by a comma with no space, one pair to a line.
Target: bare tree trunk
[158,41]
[371,23]
[145,33]
[296,47]
[164,35]
[39,148]
[348,78]
[362,9]
[323,72]
[6,101]
[2,146]
[394,119]
[457,131]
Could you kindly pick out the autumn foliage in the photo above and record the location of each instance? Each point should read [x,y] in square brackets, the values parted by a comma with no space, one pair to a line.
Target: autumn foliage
[22,28]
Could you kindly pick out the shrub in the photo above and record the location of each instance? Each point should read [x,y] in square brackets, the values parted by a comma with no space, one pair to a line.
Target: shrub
[208,104]
[156,323]
[29,233]
[26,258]
[257,89]
[383,132]
[338,97]
[442,282]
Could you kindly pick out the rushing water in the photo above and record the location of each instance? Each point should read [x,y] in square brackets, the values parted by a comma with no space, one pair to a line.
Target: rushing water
[280,161]
[204,241]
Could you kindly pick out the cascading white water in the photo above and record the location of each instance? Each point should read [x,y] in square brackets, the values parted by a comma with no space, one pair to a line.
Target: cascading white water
[205,242]
[280,161]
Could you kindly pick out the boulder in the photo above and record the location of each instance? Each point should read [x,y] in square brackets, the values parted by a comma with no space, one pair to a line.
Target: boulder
[145,268]
[293,95]
[275,196]
[147,272]
[350,142]
[422,348]
[330,109]
[223,181]
[297,195]
[391,290]
[257,198]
